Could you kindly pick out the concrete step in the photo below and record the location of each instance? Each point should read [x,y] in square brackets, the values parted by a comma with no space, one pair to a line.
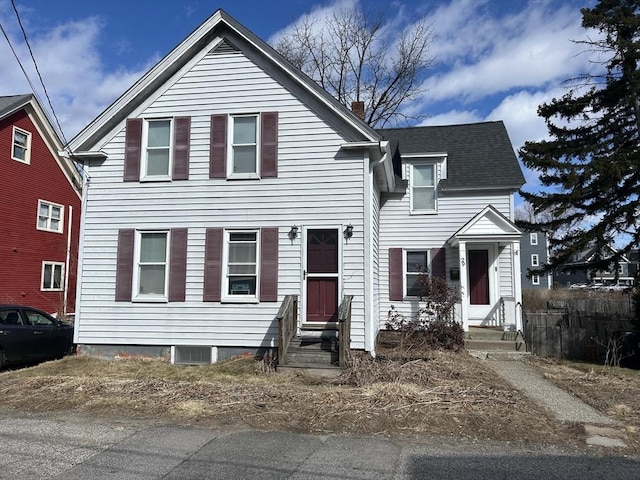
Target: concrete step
[495,345]
[485,333]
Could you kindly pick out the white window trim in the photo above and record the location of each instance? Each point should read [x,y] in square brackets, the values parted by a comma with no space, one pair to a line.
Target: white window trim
[48,229]
[138,297]
[434,210]
[535,279]
[144,154]
[27,154]
[230,145]
[533,238]
[535,260]
[404,268]
[53,264]
[226,297]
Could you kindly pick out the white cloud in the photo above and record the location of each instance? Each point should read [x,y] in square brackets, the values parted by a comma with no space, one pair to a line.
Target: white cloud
[69,59]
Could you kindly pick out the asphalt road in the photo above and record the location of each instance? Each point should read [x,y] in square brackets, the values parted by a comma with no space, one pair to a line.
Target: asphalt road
[83,448]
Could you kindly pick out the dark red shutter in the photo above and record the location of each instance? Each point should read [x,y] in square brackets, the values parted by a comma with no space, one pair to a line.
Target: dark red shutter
[269,265]
[124,265]
[178,265]
[213,265]
[133,148]
[181,142]
[438,262]
[396,274]
[218,147]
[269,145]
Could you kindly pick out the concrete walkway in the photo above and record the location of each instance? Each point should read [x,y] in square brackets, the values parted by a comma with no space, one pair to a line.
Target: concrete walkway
[566,407]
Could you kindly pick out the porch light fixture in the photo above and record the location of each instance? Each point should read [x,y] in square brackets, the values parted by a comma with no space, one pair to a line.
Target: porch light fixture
[348,232]
[293,233]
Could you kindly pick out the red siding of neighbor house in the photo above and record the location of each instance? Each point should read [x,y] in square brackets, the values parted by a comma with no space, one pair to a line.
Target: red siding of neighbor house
[23,247]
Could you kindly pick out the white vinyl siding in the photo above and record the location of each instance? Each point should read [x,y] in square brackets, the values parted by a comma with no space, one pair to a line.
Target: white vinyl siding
[400,229]
[318,186]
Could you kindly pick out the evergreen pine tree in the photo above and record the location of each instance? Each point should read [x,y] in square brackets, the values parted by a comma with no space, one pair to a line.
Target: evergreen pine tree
[590,168]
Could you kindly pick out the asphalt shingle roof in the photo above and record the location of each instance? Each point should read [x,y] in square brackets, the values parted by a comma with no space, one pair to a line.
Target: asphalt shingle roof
[479,155]
[8,103]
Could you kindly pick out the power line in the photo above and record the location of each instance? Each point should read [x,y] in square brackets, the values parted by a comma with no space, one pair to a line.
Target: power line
[18,59]
[35,64]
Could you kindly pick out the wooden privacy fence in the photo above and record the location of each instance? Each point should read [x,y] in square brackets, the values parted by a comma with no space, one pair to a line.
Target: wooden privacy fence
[571,334]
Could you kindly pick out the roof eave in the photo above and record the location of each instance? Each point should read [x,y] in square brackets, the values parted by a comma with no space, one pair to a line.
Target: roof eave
[177,57]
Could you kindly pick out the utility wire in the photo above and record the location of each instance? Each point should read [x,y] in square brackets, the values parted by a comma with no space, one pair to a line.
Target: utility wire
[18,59]
[35,64]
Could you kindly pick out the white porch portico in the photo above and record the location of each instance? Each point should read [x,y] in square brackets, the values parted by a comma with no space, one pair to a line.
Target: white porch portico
[488,257]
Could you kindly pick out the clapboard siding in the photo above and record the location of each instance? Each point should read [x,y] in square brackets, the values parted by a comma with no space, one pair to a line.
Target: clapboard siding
[317,186]
[400,229]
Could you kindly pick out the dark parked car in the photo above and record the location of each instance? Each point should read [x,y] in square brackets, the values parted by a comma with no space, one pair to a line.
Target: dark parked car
[29,335]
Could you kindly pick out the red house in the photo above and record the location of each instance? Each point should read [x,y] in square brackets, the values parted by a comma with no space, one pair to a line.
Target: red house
[39,211]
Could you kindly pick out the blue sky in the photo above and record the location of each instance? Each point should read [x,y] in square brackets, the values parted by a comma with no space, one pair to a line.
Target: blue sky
[495,59]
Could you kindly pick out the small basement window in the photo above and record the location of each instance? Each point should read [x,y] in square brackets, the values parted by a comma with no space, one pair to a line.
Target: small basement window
[193,355]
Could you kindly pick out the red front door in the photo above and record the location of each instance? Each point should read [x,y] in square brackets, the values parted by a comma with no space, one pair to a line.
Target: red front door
[322,275]
[479,277]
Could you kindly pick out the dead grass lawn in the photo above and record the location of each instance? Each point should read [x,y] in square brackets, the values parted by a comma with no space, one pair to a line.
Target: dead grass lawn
[613,391]
[439,393]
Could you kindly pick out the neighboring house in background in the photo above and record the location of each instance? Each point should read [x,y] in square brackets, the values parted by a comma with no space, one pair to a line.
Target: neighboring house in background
[534,254]
[579,270]
[39,211]
[225,180]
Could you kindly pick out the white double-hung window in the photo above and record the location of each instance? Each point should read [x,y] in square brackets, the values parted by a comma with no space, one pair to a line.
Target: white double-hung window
[244,146]
[241,267]
[416,266]
[157,157]
[535,260]
[21,145]
[151,261]
[50,216]
[423,187]
[52,276]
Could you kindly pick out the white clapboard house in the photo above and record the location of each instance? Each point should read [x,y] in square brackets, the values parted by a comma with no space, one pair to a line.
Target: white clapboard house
[227,190]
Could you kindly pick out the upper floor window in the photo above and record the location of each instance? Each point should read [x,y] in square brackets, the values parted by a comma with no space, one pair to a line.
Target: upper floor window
[52,276]
[244,146]
[423,187]
[21,145]
[416,265]
[533,238]
[50,216]
[241,264]
[535,260]
[157,160]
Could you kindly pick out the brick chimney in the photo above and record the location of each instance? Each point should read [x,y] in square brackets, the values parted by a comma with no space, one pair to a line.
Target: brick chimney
[358,109]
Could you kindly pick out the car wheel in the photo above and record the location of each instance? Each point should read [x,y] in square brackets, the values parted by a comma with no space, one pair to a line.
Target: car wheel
[3,359]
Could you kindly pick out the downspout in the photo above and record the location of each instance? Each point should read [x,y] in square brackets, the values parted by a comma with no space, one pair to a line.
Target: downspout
[66,263]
